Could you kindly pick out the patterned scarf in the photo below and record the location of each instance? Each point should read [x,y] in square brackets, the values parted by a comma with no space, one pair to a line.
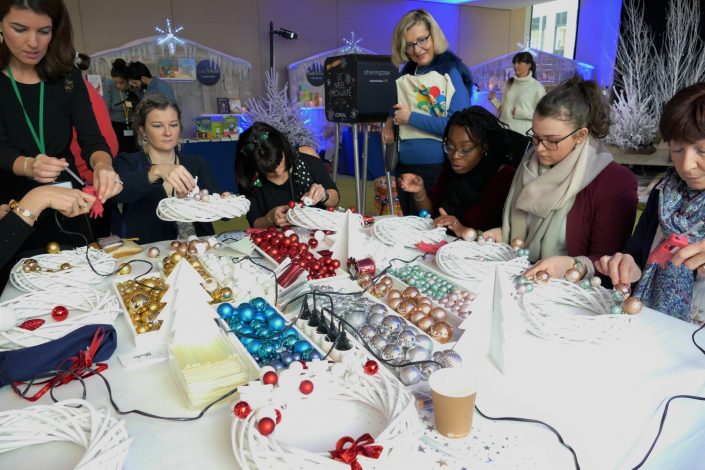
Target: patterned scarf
[670,290]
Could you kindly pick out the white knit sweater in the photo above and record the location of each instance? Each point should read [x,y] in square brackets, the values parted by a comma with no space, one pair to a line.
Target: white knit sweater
[522,96]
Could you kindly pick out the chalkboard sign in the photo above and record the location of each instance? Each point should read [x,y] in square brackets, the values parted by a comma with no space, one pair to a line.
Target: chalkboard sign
[359,87]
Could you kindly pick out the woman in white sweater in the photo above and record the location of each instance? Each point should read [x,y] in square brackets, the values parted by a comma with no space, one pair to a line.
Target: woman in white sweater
[521,94]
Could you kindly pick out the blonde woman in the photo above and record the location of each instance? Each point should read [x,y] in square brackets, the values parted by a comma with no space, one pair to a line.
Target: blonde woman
[434,84]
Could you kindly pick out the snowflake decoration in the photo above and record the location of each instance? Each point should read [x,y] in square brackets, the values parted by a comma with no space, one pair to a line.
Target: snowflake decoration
[526,46]
[352,45]
[169,36]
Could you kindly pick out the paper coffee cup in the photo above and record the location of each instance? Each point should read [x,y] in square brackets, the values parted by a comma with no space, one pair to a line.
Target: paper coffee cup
[453,391]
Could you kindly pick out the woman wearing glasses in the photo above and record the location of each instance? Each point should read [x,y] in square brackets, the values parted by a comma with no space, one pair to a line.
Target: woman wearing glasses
[569,198]
[272,176]
[482,155]
[434,84]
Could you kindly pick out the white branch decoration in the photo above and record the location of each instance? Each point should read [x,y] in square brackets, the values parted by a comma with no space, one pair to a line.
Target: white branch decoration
[546,322]
[314,218]
[87,306]
[172,209]
[79,274]
[105,438]
[407,231]
[473,261]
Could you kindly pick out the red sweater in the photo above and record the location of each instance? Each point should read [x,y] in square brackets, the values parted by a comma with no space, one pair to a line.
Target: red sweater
[487,213]
[602,217]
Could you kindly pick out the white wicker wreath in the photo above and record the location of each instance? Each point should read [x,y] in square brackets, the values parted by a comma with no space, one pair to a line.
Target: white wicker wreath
[407,231]
[545,321]
[473,261]
[79,274]
[255,451]
[87,306]
[314,218]
[105,438]
[172,209]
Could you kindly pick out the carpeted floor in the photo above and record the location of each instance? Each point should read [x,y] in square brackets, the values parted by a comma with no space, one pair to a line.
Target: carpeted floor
[346,187]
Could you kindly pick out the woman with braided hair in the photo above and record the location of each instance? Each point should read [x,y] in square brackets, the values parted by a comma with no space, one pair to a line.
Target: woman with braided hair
[482,154]
[271,175]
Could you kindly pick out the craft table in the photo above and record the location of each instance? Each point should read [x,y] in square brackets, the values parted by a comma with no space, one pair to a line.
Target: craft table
[606,401]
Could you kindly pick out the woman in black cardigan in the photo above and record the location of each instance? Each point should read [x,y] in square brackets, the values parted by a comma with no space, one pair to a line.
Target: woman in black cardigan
[157,172]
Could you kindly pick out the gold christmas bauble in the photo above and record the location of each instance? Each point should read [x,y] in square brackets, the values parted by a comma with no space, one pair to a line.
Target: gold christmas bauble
[53,247]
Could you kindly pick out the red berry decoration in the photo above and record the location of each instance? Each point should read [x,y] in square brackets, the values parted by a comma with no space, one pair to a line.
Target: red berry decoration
[59,313]
[371,367]
[279,415]
[306,387]
[32,324]
[330,209]
[353,210]
[270,378]
[292,204]
[242,409]
[266,426]
[312,242]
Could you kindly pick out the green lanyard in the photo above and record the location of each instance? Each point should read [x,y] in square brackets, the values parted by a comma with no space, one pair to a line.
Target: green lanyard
[38,139]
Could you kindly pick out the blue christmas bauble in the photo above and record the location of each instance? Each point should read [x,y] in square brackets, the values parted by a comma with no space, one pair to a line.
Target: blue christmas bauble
[276,322]
[248,331]
[306,355]
[287,359]
[289,332]
[277,364]
[315,355]
[247,313]
[253,346]
[258,303]
[269,311]
[235,324]
[260,316]
[302,346]
[424,213]
[257,324]
[296,356]
[289,342]
[266,350]
[225,311]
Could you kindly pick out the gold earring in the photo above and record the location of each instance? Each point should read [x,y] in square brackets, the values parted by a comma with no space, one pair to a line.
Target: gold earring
[145,146]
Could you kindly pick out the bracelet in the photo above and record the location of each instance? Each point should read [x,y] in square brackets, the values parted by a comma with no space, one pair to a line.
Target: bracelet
[26,160]
[15,206]
[421,199]
[588,266]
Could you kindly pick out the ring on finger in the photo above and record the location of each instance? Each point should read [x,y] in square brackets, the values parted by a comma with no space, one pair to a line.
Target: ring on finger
[83,206]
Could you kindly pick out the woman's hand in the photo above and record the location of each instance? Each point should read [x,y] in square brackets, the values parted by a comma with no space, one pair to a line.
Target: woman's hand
[495,234]
[402,113]
[316,192]
[388,131]
[69,202]
[277,216]
[449,221]
[4,210]
[693,256]
[555,266]
[46,169]
[106,181]
[411,183]
[176,175]
[620,267]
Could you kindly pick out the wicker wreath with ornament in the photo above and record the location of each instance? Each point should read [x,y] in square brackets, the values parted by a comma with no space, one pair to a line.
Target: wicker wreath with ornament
[202,207]
[407,231]
[474,260]
[601,325]
[105,438]
[68,268]
[263,405]
[38,317]
[313,218]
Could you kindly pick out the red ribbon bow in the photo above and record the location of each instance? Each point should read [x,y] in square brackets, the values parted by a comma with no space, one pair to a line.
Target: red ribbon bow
[361,446]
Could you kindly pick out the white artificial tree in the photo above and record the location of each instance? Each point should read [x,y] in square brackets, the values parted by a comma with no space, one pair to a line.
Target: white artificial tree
[279,112]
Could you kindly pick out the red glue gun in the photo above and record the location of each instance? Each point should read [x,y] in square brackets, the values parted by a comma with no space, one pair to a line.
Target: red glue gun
[667,248]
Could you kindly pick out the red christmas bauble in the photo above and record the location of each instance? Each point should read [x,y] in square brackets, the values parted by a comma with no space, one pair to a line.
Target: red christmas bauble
[270,378]
[292,204]
[312,242]
[294,238]
[306,387]
[279,415]
[257,240]
[59,313]
[353,210]
[266,426]
[330,208]
[371,367]
[335,263]
[242,409]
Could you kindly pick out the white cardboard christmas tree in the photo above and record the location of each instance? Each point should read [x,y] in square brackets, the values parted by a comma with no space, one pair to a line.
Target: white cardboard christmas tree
[349,241]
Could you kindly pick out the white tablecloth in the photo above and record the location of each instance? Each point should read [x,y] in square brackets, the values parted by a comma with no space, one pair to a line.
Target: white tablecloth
[606,401]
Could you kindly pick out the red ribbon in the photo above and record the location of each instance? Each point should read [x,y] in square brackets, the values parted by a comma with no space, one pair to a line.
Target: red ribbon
[97,207]
[431,248]
[362,446]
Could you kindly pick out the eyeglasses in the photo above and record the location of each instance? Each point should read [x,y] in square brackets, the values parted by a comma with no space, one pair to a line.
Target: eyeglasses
[422,42]
[464,152]
[548,144]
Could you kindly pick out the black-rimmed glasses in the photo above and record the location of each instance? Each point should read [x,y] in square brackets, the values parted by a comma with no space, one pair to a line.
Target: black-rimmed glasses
[548,143]
[464,152]
[422,42]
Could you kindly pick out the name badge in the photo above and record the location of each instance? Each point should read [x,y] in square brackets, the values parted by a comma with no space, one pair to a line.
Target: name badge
[128,104]
[128,132]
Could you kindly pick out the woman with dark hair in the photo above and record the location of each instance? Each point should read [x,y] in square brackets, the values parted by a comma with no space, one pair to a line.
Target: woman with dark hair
[141,78]
[434,84]
[159,171]
[521,94]
[570,202]
[271,175]
[676,206]
[42,97]
[482,155]
[121,101]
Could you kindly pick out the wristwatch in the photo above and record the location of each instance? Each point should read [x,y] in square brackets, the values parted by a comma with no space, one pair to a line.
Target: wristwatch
[15,206]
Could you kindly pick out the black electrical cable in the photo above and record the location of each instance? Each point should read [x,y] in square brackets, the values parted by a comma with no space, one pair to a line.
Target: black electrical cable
[695,342]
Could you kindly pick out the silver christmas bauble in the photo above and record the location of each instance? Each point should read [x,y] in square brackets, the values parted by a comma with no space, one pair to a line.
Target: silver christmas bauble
[418,353]
[378,342]
[377,309]
[428,369]
[410,329]
[451,359]
[410,375]
[367,332]
[437,356]
[393,324]
[406,339]
[392,354]
[376,319]
[424,341]
[356,319]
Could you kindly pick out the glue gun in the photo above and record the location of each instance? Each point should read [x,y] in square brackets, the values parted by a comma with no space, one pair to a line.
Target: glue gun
[668,247]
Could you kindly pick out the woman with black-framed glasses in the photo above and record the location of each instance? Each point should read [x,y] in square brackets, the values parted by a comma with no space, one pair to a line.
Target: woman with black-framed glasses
[481,157]
[570,202]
